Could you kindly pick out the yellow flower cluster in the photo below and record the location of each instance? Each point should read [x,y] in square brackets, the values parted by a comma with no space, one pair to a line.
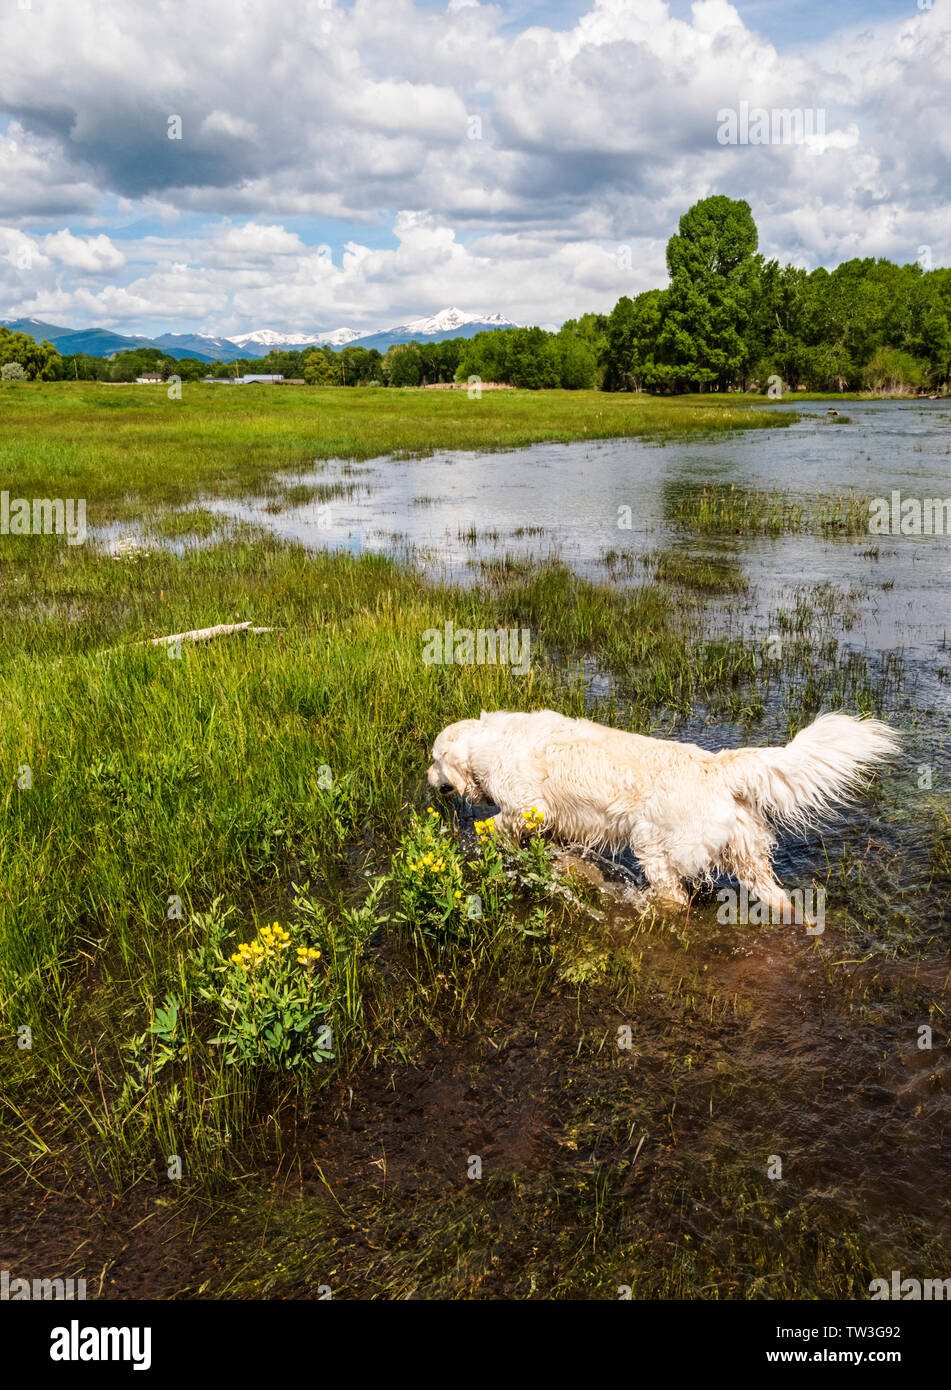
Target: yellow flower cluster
[428,863]
[533,818]
[268,942]
[485,828]
[306,955]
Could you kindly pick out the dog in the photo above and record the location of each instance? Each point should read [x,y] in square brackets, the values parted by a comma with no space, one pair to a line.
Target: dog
[685,812]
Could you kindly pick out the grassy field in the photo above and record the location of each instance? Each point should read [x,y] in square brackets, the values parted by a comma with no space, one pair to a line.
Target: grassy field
[127,449]
[248,1010]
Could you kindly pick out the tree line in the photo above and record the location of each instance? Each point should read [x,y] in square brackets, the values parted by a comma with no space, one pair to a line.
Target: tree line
[729,320]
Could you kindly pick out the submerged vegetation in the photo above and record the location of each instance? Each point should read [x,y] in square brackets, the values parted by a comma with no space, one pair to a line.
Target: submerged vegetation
[749,511]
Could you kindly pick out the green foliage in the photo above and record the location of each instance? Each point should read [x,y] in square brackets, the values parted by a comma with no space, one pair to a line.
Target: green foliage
[321,367]
[533,359]
[703,339]
[439,894]
[40,361]
[403,365]
[892,370]
[428,876]
[730,321]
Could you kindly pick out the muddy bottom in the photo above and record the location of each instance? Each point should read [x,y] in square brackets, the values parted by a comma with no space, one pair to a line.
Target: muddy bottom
[143,1244]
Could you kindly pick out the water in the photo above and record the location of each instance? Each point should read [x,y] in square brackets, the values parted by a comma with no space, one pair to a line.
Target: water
[563,500]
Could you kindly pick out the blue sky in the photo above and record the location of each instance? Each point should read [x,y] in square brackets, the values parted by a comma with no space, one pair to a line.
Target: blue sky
[332,170]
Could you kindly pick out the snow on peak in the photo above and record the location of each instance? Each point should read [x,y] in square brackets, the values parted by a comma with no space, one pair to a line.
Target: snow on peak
[268,338]
[449,319]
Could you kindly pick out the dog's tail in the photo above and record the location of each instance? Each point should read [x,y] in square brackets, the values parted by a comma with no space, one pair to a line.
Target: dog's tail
[825,765]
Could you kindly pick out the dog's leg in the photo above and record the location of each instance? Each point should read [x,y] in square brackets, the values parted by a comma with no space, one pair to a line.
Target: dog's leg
[510,826]
[748,859]
[664,879]
[761,883]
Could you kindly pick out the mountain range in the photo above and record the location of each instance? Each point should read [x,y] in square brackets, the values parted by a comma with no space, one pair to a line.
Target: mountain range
[102,342]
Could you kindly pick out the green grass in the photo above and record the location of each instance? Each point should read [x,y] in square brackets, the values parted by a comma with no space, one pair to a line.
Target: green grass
[158,810]
[128,449]
[708,574]
[717,508]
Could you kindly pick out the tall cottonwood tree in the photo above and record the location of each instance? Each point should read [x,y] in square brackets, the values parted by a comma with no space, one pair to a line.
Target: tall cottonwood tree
[704,339]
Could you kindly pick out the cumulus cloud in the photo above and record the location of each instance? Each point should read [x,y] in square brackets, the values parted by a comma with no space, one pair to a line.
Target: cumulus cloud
[93,254]
[507,166]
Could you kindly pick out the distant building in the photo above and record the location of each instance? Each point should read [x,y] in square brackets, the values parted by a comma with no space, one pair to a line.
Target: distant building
[252,379]
[148,378]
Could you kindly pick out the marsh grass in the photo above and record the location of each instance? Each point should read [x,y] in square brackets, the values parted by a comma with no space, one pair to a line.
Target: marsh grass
[175,805]
[132,450]
[714,508]
[708,574]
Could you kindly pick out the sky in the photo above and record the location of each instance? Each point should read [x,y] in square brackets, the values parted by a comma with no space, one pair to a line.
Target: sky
[317,164]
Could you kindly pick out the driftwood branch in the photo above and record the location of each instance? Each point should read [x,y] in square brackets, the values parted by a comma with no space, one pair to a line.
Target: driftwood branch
[202,634]
[198,634]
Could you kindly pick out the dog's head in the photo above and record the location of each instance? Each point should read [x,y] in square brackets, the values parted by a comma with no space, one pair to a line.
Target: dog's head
[451,768]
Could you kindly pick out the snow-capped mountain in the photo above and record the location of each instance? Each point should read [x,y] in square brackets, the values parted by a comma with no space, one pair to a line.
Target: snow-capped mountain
[268,340]
[103,342]
[181,343]
[448,321]
[445,324]
[340,337]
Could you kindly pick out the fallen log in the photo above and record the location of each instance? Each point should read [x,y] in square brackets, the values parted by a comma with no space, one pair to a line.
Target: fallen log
[198,634]
[202,634]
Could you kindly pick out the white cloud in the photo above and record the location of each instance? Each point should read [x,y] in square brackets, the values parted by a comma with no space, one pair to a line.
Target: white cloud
[223,123]
[95,255]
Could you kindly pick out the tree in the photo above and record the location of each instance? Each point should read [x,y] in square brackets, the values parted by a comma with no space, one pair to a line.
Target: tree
[321,367]
[359,365]
[714,275]
[402,365]
[893,371]
[578,360]
[13,371]
[41,361]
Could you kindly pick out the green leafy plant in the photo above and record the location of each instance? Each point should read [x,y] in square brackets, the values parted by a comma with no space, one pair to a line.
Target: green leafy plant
[428,875]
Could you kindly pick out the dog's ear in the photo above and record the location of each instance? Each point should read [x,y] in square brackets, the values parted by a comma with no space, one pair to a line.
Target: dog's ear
[457,778]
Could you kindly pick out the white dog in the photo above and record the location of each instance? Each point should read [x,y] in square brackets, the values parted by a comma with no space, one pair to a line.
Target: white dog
[685,812]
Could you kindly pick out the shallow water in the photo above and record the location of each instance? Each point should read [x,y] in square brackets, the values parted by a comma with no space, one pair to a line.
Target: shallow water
[885,605]
[564,500]
[817,1057]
